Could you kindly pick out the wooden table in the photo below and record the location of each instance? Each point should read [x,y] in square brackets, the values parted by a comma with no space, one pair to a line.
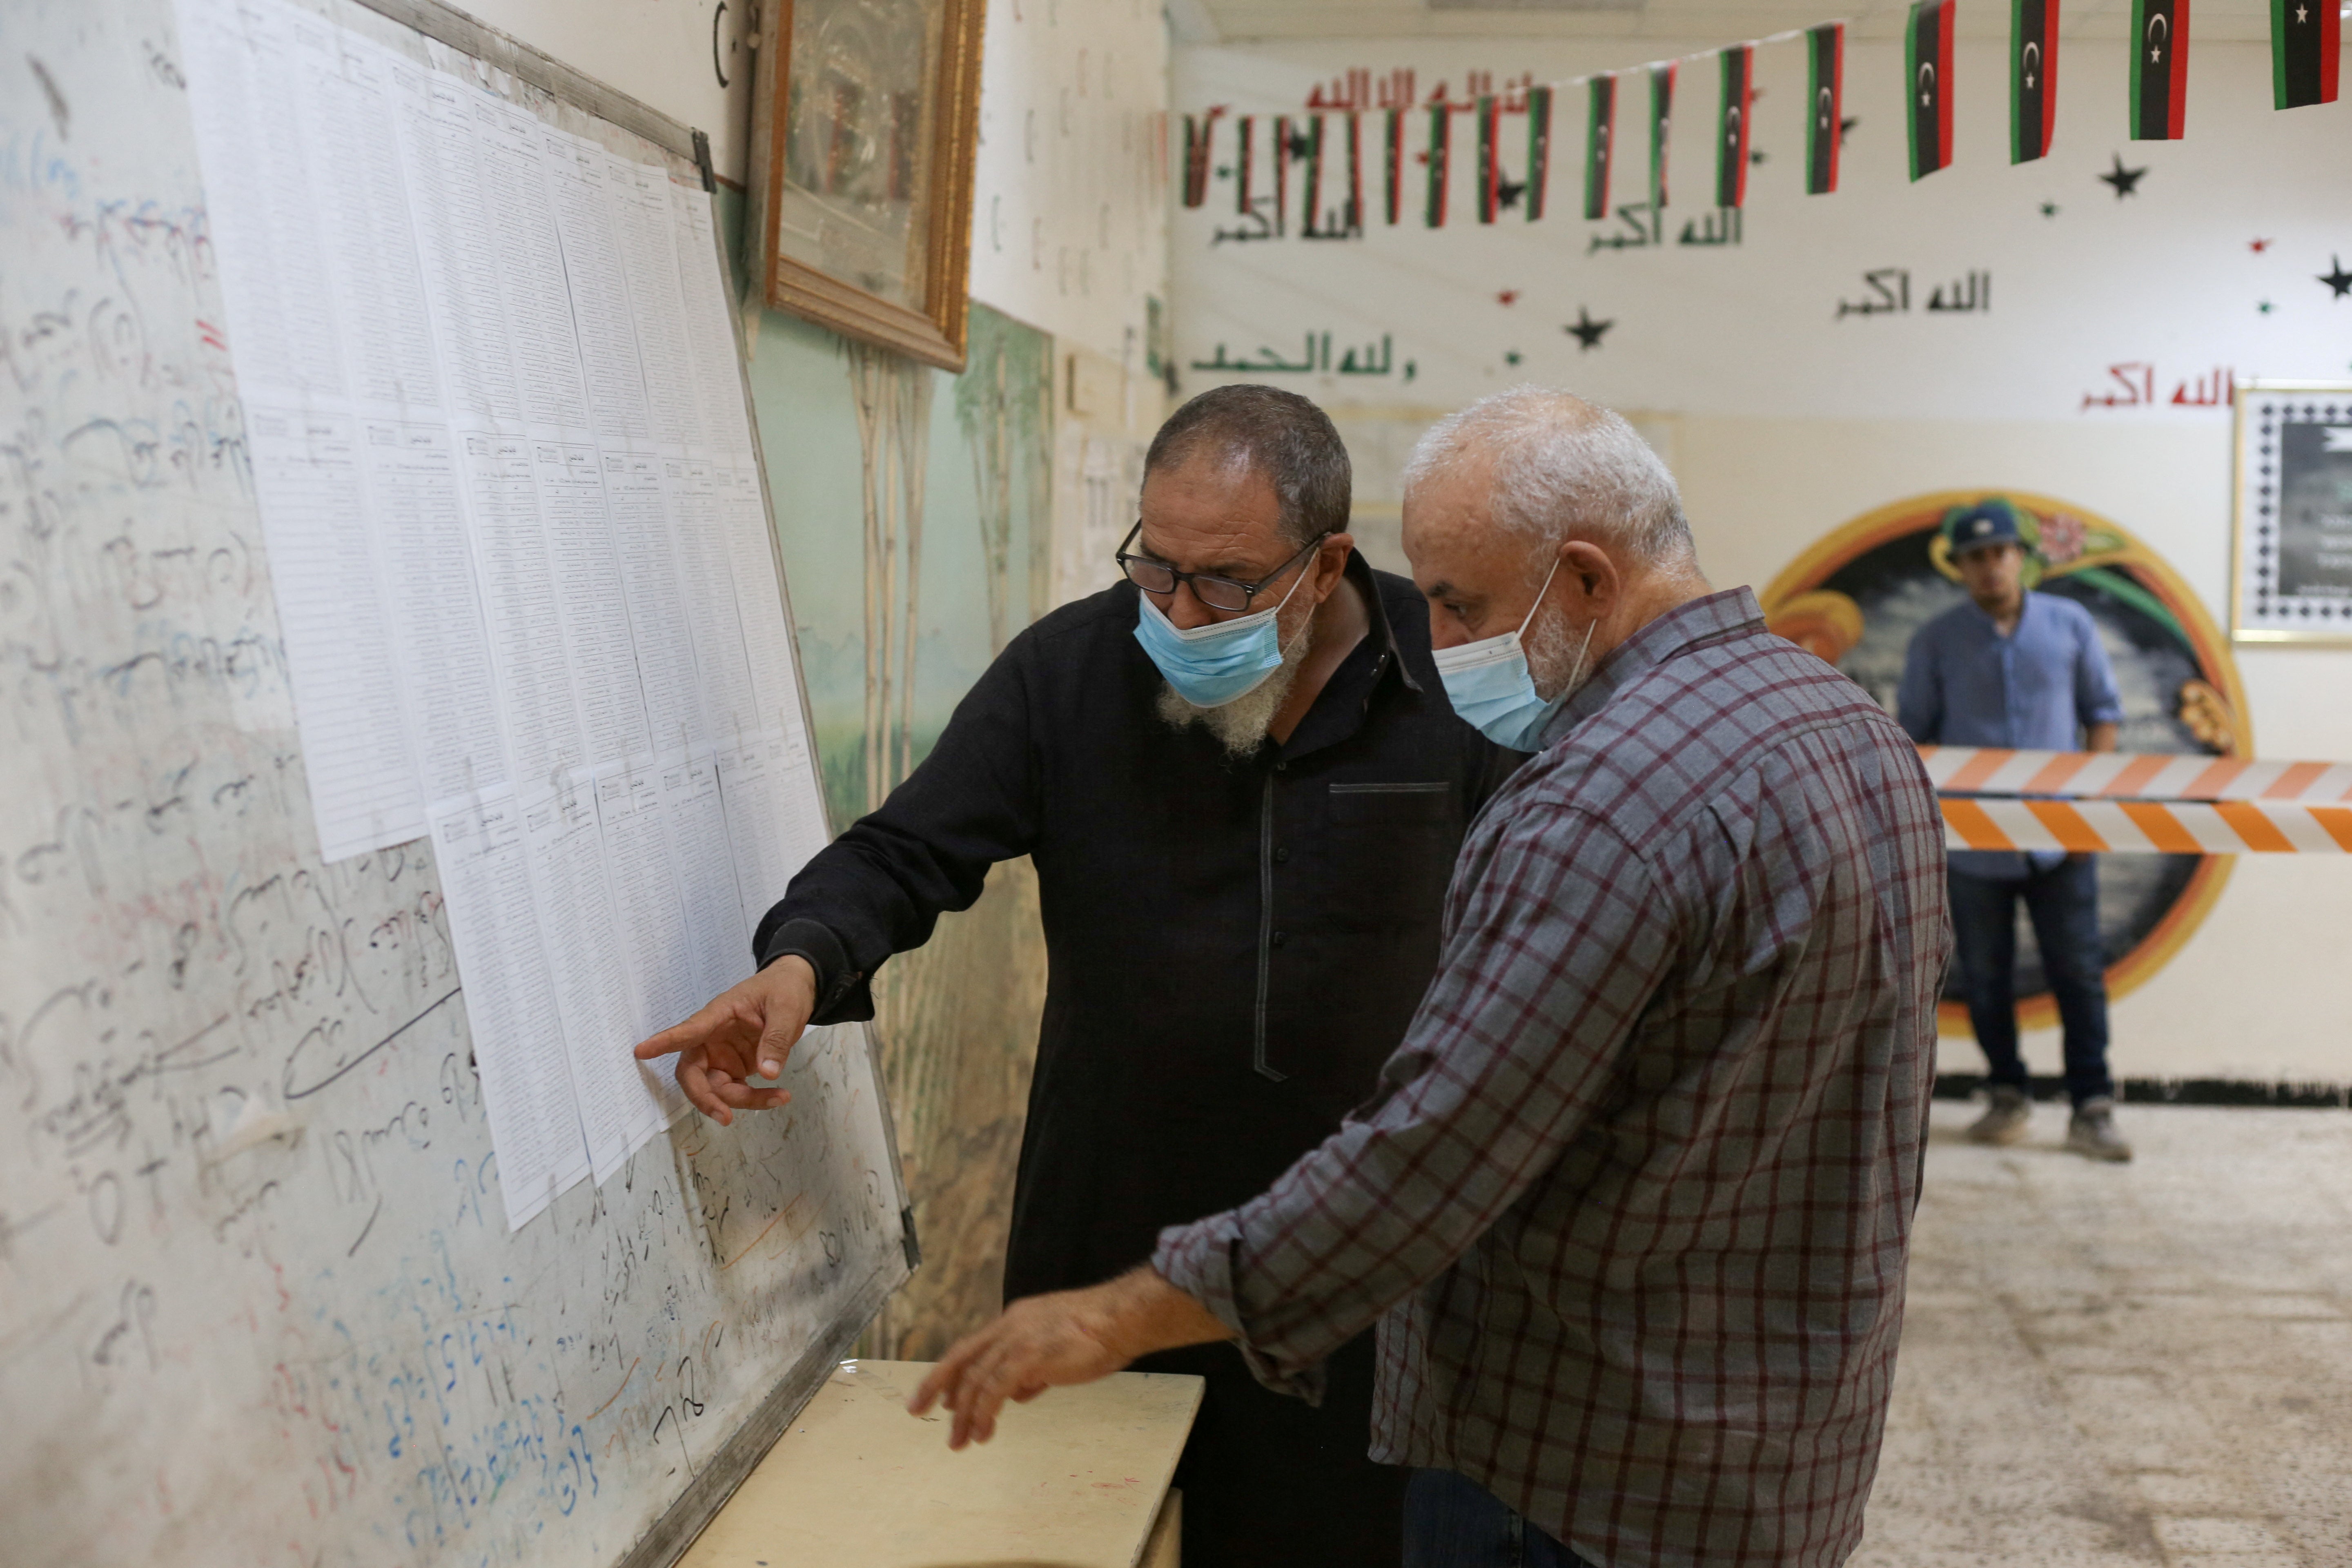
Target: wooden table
[1077,1478]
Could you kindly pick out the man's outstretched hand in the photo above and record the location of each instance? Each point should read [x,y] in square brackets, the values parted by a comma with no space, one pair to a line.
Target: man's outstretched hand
[746,1032]
[1070,1336]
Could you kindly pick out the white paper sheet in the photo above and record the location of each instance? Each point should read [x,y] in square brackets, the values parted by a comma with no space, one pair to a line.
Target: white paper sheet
[510,1003]
[501,445]
[347,700]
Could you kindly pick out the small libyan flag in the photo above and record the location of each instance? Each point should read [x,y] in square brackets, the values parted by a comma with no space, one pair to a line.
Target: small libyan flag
[1600,132]
[1246,130]
[1539,149]
[1311,210]
[1196,159]
[1490,161]
[1928,55]
[2033,78]
[1731,135]
[1281,173]
[1392,160]
[2159,78]
[1356,173]
[1825,91]
[1662,108]
[1441,137]
[2306,37]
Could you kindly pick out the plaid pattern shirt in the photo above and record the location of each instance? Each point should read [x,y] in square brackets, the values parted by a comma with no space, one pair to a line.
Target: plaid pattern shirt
[1635,1192]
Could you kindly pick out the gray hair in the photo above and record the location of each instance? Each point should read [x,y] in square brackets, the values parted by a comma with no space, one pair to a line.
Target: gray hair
[1563,467]
[1281,437]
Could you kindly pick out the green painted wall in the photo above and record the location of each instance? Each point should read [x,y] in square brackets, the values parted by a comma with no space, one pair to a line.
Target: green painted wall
[929,515]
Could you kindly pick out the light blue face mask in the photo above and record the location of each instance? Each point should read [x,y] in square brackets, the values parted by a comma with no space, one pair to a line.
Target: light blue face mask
[1219,663]
[1491,688]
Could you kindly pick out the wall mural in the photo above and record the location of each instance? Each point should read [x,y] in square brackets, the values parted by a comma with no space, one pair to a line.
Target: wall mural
[1858,595]
[910,512]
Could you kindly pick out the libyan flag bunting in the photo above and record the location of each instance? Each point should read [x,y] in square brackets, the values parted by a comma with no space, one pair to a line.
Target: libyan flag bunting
[1490,157]
[2306,38]
[1927,52]
[1731,134]
[1392,160]
[1661,104]
[1441,145]
[1539,149]
[1600,128]
[2033,78]
[2159,78]
[1825,91]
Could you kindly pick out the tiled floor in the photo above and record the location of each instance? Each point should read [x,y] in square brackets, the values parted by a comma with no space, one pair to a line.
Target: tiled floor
[2140,1365]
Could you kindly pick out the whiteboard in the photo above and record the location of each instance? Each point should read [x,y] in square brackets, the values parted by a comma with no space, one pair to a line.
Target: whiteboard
[258,1297]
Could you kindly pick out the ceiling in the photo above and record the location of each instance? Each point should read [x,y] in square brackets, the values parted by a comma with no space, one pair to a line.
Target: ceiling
[1694,21]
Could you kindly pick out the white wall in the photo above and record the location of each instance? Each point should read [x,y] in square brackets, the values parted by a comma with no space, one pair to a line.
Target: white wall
[668,53]
[1782,422]
[1070,208]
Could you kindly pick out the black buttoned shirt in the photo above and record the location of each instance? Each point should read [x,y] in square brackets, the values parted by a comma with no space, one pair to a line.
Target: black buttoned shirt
[1236,944]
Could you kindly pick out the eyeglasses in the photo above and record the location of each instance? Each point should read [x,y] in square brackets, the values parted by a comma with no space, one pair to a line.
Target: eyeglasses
[1217,593]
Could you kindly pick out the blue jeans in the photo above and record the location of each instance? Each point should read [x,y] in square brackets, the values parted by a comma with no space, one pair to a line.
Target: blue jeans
[2064,904]
[1451,1522]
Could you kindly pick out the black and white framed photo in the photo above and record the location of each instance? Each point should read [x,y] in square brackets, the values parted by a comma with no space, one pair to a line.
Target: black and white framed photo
[2292,520]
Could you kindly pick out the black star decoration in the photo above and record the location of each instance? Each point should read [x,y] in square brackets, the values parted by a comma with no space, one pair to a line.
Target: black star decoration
[2049,210]
[2337,278]
[1586,330]
[1845,127]
[2125,181]
[1507,194]
[2264,308]
[1512,356]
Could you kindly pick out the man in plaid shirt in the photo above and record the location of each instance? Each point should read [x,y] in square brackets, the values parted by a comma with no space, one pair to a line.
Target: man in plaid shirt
[1633,1205]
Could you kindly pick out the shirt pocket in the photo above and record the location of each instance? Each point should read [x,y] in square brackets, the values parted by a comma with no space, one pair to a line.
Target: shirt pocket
[1402,801]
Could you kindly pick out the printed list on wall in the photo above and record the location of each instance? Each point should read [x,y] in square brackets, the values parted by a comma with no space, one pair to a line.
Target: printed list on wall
[514,519]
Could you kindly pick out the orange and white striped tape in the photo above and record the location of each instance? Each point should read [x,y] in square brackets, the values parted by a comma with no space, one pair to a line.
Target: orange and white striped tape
[1987,770]
[2117,802]
[2147,827]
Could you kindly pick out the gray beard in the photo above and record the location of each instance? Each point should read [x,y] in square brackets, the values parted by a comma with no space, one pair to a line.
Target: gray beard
[1241,725]
[1555,661]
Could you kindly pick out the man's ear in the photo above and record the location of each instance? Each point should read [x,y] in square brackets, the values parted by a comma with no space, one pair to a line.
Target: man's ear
[1594,574]
[1333,554]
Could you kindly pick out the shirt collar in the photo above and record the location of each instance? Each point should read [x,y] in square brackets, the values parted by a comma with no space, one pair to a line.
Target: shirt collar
[1685,626]
[1338,708]
[2025,608]
[1382,634]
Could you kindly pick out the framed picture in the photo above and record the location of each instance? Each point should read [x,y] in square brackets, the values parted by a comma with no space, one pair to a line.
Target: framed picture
[864,120]
[2291,524]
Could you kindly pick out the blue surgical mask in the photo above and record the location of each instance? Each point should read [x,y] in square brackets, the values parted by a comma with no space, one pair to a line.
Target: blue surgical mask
[1491,688]
[1213,665]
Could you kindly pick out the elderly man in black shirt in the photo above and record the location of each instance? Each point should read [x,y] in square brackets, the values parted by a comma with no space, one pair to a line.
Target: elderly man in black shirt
[1242,788]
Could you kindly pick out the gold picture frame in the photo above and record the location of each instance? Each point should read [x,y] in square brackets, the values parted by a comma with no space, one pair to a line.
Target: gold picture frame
[865,125]
[2290,547]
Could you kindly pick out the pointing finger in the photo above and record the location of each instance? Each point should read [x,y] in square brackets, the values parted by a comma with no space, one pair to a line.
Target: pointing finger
[693,1032]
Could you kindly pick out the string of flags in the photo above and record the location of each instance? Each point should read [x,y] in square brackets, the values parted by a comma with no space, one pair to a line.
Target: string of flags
[2306,40]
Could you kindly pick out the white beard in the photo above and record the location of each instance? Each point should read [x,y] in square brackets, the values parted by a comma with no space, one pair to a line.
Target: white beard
[1240,725]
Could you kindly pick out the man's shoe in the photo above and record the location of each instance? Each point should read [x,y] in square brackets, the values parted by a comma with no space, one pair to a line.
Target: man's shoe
[2093,1131]
[2005,1120]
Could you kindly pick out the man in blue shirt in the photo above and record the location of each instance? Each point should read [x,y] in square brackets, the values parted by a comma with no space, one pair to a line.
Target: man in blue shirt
[2023,670]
